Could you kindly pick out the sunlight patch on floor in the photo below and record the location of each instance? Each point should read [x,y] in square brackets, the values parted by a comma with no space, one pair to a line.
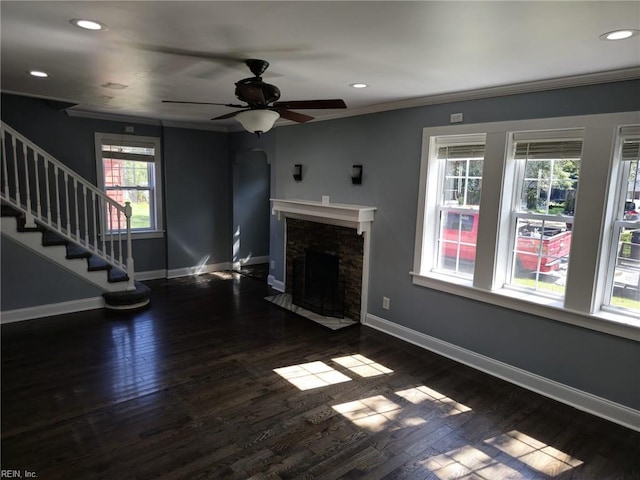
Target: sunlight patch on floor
[422,394]
[372,413]
[223,275]
[534,453]
[361,365]
[306,376]
[469,462]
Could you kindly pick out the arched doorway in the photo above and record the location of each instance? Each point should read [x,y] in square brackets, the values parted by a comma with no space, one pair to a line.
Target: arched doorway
[251,212]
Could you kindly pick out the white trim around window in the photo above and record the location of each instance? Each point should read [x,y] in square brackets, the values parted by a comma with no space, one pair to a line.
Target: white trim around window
[586,277]
[157,228]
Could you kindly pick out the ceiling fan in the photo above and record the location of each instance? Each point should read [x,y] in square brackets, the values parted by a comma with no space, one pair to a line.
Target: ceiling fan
[263,107]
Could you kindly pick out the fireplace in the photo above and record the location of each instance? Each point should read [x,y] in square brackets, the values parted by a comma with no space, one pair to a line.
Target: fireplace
[334,230]
[317,284]
[340,248]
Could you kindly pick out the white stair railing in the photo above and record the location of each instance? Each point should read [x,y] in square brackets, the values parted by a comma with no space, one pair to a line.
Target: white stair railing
[51,194]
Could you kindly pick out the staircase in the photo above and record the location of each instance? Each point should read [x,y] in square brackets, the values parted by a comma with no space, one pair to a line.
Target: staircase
[49,209]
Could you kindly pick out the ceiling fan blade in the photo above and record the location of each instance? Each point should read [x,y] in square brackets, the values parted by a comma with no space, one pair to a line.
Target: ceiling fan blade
[205,103]
[250,94]
[312,104]
[229,115]
[293,116]
[228,58]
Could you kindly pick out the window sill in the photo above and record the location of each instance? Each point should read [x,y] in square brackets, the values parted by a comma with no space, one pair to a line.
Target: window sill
[143,235]
[606,322]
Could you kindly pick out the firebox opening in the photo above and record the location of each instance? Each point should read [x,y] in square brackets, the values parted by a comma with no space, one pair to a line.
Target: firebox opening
[317,283]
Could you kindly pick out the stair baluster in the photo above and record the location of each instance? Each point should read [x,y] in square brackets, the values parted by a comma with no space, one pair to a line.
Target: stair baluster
[130,270]
[15,170]
[30,223]
[37,173]
[5,173]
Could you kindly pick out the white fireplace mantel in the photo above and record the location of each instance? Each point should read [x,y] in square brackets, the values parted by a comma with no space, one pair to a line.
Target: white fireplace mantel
[353,216]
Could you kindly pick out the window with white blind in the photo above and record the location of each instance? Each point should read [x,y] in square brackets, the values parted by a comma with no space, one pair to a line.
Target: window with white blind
[623,279]
[546,176]
[459,165]
[129,171]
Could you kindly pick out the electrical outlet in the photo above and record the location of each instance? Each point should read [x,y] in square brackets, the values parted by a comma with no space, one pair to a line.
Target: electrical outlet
[385,303]
[273,264]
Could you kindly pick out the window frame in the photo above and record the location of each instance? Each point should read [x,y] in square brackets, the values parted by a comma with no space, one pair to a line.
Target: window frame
[582,304]
[619,178]
[517,213]
[429,229]
[155,189]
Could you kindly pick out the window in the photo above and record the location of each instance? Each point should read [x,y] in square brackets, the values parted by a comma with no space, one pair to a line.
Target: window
[460,166]
[547,173]
[557,231]
[129,171]
[452,209]
[623,283]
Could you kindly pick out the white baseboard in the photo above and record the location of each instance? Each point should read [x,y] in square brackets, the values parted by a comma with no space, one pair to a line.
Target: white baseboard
[250,261]
[198,269]
[275,284]
[151,275]
[601,407]
[50,309]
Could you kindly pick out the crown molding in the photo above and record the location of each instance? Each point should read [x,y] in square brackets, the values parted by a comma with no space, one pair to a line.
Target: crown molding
[144,120]
[72,112]
[499,91]
[194,126]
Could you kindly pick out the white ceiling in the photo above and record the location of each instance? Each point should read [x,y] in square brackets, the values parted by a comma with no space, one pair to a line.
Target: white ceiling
[410,53]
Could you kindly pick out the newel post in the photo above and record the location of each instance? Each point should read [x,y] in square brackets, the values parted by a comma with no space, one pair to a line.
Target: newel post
[130,268]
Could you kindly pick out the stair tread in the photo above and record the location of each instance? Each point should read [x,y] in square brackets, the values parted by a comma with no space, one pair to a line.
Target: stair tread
[139,296]
[9,211]
[51,238]
[96,263]
[117,275]
[76,251]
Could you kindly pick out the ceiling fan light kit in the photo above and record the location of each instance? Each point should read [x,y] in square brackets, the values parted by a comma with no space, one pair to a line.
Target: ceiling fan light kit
[257,121]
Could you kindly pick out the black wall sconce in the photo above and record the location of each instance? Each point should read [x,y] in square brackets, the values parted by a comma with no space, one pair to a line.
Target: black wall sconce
[297,172]
[356,174]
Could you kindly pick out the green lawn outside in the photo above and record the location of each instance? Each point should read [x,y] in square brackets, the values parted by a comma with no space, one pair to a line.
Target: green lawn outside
[140,217]
[616,301]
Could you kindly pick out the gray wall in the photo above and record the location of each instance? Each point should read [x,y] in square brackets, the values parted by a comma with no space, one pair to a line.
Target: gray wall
[251,207]
[389,146]
[197,197]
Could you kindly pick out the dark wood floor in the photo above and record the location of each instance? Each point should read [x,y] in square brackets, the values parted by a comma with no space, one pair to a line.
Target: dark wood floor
[213,382]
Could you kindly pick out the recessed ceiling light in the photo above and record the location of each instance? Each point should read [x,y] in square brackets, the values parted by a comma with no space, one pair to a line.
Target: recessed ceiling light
[88,24]
[619,34]
[358,85]
[38,73]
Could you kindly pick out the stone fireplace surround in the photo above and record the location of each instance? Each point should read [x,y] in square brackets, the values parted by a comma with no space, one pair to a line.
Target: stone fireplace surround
[339,229]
